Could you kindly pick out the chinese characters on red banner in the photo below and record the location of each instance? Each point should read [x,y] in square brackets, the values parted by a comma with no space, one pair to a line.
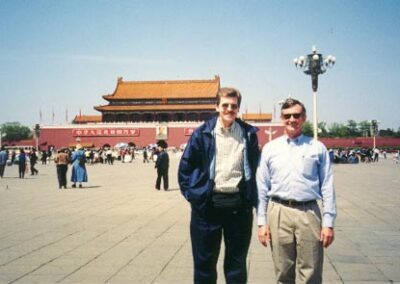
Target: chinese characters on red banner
[188,131]
[106,132]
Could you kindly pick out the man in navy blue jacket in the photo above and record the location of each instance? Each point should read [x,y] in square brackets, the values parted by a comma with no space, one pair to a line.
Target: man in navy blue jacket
[217,176]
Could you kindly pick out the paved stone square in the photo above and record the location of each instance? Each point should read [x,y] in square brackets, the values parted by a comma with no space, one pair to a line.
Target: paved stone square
[119,229]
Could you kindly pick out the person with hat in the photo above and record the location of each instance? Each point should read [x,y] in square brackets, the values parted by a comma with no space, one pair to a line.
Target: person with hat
[162,165]
[62,160]
[79,172]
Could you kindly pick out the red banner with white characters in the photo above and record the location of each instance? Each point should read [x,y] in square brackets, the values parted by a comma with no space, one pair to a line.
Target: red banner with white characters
[90,132]
[188,131]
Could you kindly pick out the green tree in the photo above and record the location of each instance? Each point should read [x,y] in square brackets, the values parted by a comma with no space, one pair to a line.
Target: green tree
[322,131]
[338,130]
[386,132]
[308,129]
[14,131]
[365,128]
[352,128]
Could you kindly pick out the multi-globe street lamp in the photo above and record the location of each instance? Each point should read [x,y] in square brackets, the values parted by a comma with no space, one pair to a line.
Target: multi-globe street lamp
[314,64]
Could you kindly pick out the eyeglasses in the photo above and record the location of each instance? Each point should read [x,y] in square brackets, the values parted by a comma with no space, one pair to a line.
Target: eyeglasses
[289,115]
[233,106]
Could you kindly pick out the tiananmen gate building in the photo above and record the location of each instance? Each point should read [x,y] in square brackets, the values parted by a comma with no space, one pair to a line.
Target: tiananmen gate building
[143,112]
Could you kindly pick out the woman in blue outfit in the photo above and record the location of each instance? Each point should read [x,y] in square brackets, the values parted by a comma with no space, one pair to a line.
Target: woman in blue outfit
[79,172]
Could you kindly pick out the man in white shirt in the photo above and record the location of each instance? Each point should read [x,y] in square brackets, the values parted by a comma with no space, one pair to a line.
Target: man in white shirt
[294,172]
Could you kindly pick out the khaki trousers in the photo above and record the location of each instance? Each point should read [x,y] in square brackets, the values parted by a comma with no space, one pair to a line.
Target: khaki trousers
[297,251]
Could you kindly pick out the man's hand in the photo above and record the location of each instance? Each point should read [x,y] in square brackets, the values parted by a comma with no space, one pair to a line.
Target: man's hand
[264,234]
[327,236]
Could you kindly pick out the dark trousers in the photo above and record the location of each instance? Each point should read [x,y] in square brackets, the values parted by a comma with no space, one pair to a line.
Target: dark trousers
[164,175]
[62,175]
[21,170]
[2,167]
[206,233]
[33,170]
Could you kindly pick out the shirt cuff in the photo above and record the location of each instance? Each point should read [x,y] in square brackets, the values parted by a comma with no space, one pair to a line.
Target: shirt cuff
[328,220]
[261,220]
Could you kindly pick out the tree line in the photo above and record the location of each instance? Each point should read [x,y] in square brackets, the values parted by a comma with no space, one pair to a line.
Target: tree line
[349,129]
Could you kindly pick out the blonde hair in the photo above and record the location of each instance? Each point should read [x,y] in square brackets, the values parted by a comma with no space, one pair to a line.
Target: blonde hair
[229,92]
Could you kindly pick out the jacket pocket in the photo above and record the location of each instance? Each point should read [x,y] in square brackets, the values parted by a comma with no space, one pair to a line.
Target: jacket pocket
[199,187]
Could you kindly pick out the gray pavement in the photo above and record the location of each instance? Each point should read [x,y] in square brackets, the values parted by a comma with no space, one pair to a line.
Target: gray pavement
[119,229]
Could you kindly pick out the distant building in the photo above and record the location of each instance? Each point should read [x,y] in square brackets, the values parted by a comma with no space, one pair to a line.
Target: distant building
[257,117]
[161,101]
[143,112]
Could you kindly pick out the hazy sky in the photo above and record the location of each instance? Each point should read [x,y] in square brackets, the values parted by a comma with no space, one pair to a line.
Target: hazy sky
[65,55]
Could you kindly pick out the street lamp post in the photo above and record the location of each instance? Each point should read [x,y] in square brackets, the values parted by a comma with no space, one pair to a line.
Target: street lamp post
[374,130]
[314,64]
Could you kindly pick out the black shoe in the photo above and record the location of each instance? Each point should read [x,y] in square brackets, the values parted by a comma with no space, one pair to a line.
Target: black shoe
[74,185]
[80,186]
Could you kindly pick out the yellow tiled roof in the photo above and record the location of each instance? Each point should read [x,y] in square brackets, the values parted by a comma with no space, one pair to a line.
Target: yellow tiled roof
[257,116]
[165,89]
[87,118]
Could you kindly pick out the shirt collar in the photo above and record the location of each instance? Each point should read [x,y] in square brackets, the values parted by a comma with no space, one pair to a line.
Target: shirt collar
[221,129]
[296,140]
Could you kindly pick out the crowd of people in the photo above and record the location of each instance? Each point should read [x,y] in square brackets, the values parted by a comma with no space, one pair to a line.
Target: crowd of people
[78,158]
[360,155]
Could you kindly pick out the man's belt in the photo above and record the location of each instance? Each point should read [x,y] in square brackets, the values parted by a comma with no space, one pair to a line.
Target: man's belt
[292,202]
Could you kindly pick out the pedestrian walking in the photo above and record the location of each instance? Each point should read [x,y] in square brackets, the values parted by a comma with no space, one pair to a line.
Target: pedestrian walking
[44,158]
[33,160]
[21,163]
[79,172]
[62,160]
[3,160]
[162,166]
[145,156]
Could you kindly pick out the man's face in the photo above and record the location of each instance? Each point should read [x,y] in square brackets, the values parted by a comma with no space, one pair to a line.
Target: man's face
[293,120]
[228,109]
